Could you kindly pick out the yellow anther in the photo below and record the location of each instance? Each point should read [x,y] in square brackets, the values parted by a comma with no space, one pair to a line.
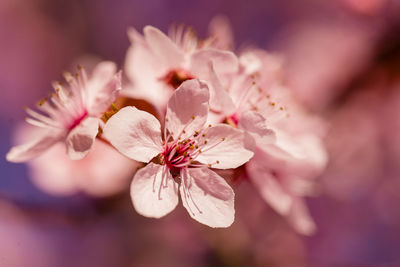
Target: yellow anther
[209,125]
[204,135]
[223,138]
[217,161]
[193,117]
[114,107]
[205,142]
[42,101]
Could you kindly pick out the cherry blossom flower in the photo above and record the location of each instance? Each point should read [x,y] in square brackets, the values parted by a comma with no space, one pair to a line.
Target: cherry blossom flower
[289,152]
[181,158]
[162,63]
[71,115]
[92,175]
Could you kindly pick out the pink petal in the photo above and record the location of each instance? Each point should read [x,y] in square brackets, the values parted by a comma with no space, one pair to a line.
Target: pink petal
[146,196]
[163,47]
[220,101]
[34,148]
[300,218]
[269,187]
[207,197]
[80,139]
[187,108]
[55,178]
[134,133]
[220,28]
[256,125]
[102,88]
[224,147]
[93,175]
[143,69]
[224,62]
[301,154]
[135,37]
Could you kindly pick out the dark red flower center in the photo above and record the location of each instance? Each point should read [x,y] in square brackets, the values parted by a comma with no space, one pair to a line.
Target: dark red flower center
[176,77]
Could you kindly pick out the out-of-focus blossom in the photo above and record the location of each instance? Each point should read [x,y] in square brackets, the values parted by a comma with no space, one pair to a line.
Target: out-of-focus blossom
[221,33]
[366,7]
[157,64]
[355,159]
[93,175]
[321,58]
[188,148]
[71,115]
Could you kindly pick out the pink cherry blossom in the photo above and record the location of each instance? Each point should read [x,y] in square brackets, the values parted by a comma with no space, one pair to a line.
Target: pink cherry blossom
[181,158]
[72,114]
[92,175]
[162,63]
[288,148]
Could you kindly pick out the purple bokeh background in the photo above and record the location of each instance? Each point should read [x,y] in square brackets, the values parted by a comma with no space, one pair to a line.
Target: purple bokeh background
[342,61]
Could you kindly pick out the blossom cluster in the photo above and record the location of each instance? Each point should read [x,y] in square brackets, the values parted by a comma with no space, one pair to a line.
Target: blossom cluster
[213,109]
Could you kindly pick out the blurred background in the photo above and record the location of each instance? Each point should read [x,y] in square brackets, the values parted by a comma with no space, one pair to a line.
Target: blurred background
[342,60]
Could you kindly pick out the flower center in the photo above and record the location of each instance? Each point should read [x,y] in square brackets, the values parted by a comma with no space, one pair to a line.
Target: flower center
[232,120]
[78,120]
[176,77]
[178,155]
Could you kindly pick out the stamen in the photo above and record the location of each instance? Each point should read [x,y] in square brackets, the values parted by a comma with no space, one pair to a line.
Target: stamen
[163,177]
[36,123]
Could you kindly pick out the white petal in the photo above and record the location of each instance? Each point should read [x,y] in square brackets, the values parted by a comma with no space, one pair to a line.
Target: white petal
[187,108]
[146,196]
[256,125]
[135,133]
[207,197]
[80,139]
[163,46]
[223,147]
[34,148]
